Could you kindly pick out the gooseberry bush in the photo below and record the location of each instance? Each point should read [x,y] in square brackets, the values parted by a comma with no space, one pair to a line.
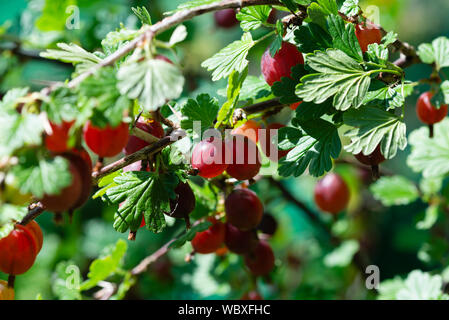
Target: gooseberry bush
[330,94]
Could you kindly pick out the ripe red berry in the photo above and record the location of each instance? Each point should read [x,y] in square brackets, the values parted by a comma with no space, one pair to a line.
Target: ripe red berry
[238,241]
[36,230]
[271,143]
[225,18]
[58,139]
[295,106]
[67,197]
[332,193]
[18,251]
[81,152]
[244,209]
[249,129]
[85,174]
[245,163]
[210,240]
[106,142]
[268,225]
[427,112]
[209,158]
[252,295]
[148,125]
[261,260]
[367,34]
[184,203]
[274,68]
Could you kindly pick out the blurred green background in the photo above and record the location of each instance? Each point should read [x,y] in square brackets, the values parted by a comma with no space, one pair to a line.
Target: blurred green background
[306,266]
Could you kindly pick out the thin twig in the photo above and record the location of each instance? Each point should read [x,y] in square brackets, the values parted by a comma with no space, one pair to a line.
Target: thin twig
[34,211]
[145,263]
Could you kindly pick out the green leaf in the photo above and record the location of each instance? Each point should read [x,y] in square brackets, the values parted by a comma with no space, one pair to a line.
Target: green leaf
[429,219]
[66,280]
[374,126]
[231,58]
[74,54]
[114,40]
[145,193]
[143,15]
[60,105]
[344,37]
[11,97]
[38,175]
[290,4]
[106,103]
[308,111]
[350,8]
[276,45]
[253,17]
[190,5]
[442,96]
[339,76]
[394,191]
[190,234]
[343,255]
[204,109]
[152,81]
[286,88]
[314,150]
[19,130]
[311,37]
[254,88]
[235,83]
[9,215]
[421,286]
[429,155]
[102,268]
[54,15]
[437,52]
[387,96]
[318,11]
[179,35]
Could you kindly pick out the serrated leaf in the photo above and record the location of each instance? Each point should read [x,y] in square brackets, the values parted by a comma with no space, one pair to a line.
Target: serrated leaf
[350,8]
[143,193]
[254,88]
[314,150]
[152,81]
[38,175]
[338,76]
[143,15]
[421,286]
[203,109]
[386,96]
[106,103]
[253,17]
[19,130]
[437,52]
[308,111]
[374,126]
[231,58]
[190,5]
[66,280]
[286,88]
[429,155]
[60,105]
[9,101]
[190,234]
[74,54]
[114,40]
[235,83]
[102,268]
[179,35]
[343,37]
[9,215]
[311,37]
[394,191]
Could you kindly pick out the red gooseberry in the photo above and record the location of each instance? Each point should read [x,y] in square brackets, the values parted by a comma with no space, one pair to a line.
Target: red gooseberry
[332,193]
[106,142]
[209,158]
[57,140]
[210,240]
[18,251]
[261,260]
[245,163]
[244,209]
[238,241]
[225,18]
[274,68]
[249,129]
[367,34]
[148,125]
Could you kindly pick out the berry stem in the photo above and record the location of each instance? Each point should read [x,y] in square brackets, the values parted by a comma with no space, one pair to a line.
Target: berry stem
[99,165]
[431,131]
[376,172]
[11,281]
